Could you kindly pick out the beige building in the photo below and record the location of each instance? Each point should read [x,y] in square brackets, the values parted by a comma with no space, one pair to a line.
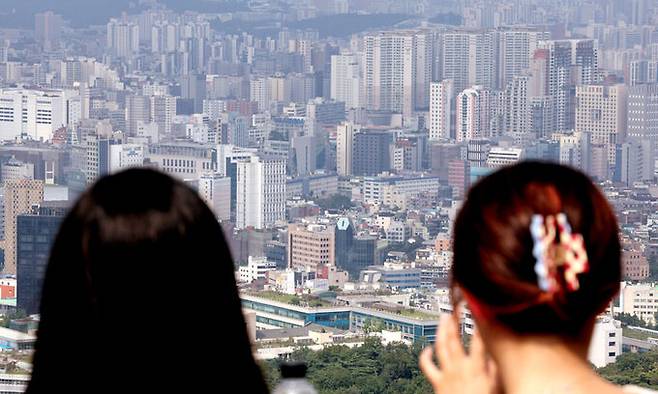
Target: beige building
[640,300]
[310,245]
[634,265]
[20,196]
[601,112]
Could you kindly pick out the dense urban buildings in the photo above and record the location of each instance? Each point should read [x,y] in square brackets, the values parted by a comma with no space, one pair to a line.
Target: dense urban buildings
[333,140]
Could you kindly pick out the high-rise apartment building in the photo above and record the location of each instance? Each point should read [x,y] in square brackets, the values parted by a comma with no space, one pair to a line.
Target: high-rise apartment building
[261,192]
[470,58]
[398,70]
[441,107]
[472,114]
[569,63]
[643,113]
[515,51]
[122,38]
[163,110]
[517,111]
[346,80]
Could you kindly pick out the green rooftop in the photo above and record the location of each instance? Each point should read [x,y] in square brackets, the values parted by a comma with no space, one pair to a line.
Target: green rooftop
[291,299]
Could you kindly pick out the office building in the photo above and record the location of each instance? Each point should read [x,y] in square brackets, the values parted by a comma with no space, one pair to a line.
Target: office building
[261,192]
[371,152]
[15,169]
[310,246]
[20,196]
[215,190]
[35,234]
[36,114]
[601,113]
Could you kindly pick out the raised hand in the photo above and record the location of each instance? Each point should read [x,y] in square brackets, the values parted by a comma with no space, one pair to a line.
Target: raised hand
[460,372]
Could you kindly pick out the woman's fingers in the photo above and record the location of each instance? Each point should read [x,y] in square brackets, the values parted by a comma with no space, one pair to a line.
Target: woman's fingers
[449,346]
[478,352]
[428,366]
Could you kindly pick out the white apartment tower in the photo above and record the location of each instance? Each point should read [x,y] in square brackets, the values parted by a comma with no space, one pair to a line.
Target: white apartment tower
[441,99]
[261,192]
[346,80]
[472,114]
[122,38]
[397,70]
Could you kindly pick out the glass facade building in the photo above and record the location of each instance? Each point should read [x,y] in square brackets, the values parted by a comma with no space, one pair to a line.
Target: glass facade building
[35,234]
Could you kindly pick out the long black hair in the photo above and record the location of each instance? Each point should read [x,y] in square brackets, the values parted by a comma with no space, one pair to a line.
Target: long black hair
[140,295]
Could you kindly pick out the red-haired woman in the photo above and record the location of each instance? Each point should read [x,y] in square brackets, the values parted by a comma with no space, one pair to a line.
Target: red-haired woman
[537,259]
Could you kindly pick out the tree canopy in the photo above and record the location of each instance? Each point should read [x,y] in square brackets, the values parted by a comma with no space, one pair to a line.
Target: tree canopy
[371,368]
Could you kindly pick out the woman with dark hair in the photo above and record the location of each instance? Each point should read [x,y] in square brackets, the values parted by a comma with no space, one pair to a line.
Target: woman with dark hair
[140,296]
[537,259]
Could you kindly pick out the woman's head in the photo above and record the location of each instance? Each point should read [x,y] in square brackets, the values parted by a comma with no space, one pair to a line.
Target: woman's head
[140,282]
[493,249]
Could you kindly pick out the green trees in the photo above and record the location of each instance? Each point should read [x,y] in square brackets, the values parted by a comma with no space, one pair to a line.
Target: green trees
[639,369]
[371,368]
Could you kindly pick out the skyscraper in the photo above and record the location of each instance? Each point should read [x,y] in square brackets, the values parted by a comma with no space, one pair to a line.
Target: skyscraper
[441,106]
[261,192]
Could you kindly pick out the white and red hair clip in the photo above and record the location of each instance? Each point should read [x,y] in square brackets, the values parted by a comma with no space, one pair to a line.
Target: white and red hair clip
[556,246]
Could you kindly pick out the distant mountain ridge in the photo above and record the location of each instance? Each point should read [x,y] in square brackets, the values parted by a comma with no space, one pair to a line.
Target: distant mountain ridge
[81,13]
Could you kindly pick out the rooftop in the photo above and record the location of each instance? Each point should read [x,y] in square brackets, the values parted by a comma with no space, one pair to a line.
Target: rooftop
[291,299]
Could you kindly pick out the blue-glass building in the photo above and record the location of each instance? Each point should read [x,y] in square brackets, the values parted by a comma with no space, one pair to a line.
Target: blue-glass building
[35,234]
[279,314]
